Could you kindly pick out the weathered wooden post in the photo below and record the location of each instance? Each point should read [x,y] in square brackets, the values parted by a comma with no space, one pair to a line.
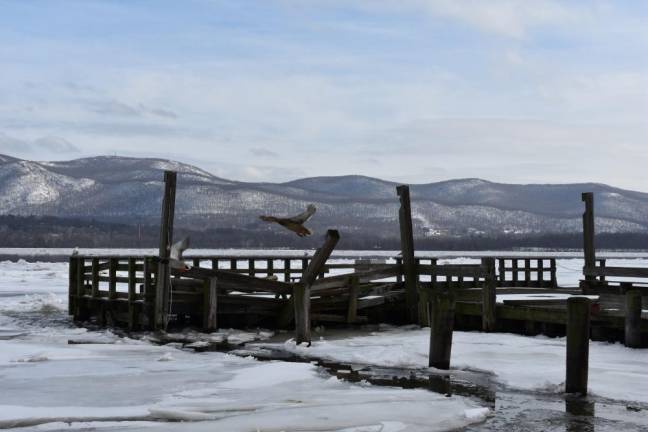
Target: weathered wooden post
[210,322]
[133,318]
[166,238]
[442,312]
[633,318]
[301,291]
[407,252]
[72,286]
[352,308]
[578,329]
[588,234]
[489,296]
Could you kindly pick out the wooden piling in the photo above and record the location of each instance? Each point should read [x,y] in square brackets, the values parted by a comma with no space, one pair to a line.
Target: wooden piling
[210,322]
[489,296]
[588,233]
[442,311]
[133,311]
[301,291]
[95,277]
[166,238]
[72,290]
[633,318]
[407,252]
[352,309]
[578,329]
[112,278]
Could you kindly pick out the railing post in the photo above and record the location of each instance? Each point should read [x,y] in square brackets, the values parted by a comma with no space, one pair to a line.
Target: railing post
[133,318]
[489,296]
[588,233]
[578,329]
[442,311]
[633,318]
[407,251]
[166,238]
[112,278]
[95,277]
[554,279]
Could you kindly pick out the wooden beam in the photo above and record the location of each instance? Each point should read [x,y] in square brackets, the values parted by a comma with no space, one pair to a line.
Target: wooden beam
[352,309]
[588,233]
[166,238]
[407,253]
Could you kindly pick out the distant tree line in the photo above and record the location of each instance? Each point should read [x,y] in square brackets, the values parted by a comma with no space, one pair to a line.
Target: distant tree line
[48,231]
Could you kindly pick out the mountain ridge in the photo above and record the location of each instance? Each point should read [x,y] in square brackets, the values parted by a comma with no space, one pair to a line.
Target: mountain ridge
[129,190]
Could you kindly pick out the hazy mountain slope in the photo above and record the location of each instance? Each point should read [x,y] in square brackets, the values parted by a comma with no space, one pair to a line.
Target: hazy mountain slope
[130,190]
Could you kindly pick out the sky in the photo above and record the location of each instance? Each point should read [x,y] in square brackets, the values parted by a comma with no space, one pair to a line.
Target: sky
[412,91]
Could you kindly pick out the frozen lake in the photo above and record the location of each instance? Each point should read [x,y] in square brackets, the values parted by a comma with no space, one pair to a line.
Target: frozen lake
[108,382]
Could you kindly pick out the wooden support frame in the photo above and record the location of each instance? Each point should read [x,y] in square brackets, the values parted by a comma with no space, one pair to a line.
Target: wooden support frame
[407,253]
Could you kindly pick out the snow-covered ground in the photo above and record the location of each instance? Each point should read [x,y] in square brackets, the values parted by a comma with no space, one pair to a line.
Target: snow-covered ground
[529,363]
[109,382]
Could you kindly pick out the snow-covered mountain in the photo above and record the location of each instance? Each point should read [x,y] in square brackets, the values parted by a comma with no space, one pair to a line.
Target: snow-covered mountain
[130,190]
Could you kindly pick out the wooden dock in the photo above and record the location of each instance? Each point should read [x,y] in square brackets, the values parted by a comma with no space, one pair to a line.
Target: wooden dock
[288,292]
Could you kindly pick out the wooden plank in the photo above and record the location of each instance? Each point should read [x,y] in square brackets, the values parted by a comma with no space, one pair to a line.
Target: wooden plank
[630,272]
[407,253]
[237,281]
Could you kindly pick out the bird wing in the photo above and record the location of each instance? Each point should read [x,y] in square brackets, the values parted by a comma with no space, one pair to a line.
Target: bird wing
[178,248]
[303,217]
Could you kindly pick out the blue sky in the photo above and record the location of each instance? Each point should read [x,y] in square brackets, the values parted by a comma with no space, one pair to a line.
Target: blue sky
[410,90]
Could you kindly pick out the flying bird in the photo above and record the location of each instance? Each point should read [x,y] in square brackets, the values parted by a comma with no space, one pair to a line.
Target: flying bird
[295,223]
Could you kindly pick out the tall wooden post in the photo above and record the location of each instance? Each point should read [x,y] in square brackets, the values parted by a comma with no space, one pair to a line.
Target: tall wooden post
[301,291]
[72,287]
[489,295]
[588,233]
[166,238]
[442,311]
[633,318]
[210,304]
[578,329]
[407,252]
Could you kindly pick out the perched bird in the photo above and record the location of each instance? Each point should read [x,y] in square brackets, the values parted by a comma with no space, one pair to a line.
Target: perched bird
[295,223]
[175,258]
[75,251]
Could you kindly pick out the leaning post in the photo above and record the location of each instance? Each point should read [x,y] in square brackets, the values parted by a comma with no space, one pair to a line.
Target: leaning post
[407,252]
[301,291]
[578,329]
[588,234]
[166,238]
[633,318]
[489,296]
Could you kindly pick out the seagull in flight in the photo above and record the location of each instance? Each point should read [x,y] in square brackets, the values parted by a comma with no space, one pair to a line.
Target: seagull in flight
[295,223]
